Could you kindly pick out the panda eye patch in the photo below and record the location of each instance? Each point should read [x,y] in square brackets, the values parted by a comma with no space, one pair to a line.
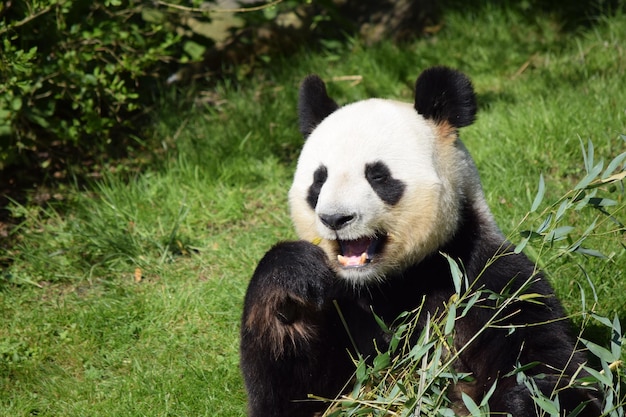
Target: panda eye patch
[389,189]
[377,172]
[319,178]
[320,175]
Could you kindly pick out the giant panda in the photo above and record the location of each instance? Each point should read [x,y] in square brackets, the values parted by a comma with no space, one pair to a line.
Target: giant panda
[382,190]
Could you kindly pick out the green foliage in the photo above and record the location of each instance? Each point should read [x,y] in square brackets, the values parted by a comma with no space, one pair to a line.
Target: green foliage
[78,72]
[413,379]
[585,195]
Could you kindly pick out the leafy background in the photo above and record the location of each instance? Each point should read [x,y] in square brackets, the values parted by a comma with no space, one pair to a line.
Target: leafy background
[134,210]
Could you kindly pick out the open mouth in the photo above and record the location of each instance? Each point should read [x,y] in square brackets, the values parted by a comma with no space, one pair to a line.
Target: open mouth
[359,252]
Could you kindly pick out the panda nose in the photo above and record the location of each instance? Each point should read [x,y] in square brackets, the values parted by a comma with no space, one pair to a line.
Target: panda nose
[337,221]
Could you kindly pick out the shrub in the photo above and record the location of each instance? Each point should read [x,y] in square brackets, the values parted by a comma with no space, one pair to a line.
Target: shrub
[77,72]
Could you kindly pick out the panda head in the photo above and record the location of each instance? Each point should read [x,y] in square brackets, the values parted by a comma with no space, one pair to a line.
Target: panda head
[380,183]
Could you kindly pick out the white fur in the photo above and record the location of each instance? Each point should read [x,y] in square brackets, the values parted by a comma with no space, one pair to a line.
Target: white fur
[436,171]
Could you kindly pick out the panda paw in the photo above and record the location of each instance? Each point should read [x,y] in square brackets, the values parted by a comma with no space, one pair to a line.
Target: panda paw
[286,297]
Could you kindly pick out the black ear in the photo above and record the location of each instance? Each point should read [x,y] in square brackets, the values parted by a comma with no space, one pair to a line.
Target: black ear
[445,95]
[313,104]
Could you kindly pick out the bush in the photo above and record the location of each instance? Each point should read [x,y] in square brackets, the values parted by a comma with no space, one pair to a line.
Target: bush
[77,72]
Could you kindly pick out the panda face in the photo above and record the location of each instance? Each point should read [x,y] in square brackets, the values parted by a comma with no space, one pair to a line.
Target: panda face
[367,184]
[379,183]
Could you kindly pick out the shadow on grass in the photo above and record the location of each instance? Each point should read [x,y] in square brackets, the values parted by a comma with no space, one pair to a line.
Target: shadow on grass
[571,15]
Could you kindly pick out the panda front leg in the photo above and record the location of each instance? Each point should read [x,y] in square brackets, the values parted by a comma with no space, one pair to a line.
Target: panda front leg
[289,347]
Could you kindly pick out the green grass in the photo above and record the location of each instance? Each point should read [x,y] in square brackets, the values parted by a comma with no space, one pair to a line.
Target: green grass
[78,334]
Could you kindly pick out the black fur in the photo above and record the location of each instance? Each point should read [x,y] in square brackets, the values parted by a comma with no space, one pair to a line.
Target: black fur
[293,342]
[292,279]
[319,178]
[389,189]
[314,105]
[278,386]
[445,95]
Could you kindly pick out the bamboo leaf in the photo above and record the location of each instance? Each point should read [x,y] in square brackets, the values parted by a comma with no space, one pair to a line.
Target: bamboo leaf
[562,208]
[523,368]
[381,361]
[450,319]
[381,322]
[470,303]
[590,252]
[593,287]
[559,233]
[485,400]
[591,176]
[361,371]
[603,320]
[602,181]
[532,298]
[588,154]
[549,406]
[545,224]
[471,405]
[616,338]
[457,275]
[613,165]
[539,196]
[597,350]
[419,351]
[529,234]
[599,376]
[520,246]
[602,202]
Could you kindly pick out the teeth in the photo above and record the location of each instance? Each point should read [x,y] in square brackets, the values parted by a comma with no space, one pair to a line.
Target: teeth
[353,260]
[363,259]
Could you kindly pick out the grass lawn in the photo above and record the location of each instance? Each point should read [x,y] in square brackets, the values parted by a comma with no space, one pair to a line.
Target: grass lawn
[125,299]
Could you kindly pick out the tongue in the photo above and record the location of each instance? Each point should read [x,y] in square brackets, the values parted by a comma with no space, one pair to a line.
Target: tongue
[354,251]
[354,248]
